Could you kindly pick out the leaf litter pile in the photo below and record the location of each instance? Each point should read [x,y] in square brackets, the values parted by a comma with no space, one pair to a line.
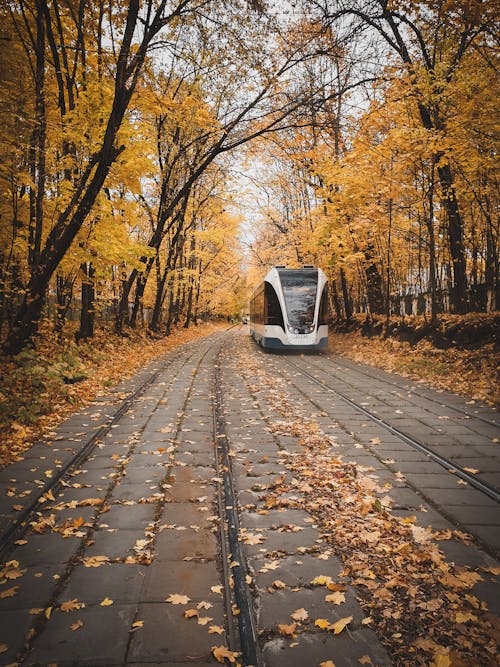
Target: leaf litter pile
[421,606]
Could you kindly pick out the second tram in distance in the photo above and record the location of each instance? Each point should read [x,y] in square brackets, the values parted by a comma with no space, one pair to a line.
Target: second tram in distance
[289,309]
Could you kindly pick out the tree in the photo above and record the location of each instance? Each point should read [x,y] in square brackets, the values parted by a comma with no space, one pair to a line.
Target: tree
[149,19]
[431,40]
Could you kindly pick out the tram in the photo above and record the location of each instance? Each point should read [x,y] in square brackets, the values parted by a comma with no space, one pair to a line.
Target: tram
[289,309]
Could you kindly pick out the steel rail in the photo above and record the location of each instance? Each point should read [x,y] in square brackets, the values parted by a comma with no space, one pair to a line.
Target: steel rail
[249,644]
[485,488]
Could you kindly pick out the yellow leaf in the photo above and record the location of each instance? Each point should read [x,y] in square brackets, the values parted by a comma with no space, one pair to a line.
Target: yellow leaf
[335,598]
[278,584]
[106,602]
[3,648]
[221,653]
[338,626]
[215,629]
[327,663]
[136,625]
[216,589]
[441,660]
[189,613]
[177,599]
[321,580]
[365,660]
[48,612]
[77,625]
[322,623]
[463,618]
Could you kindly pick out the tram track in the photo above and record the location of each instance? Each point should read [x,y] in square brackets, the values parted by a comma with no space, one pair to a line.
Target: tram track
[233,559]
[240,622]
[447,464]
[352,367]
[20,523]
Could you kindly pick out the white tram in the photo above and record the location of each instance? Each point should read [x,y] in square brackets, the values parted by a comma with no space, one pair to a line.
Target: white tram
[289,309]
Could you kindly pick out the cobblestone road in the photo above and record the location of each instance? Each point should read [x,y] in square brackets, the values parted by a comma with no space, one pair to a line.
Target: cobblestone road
[128,561]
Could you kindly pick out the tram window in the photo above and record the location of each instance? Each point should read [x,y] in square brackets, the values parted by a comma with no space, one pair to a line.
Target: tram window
[299,289]
[323,307]
[274,316]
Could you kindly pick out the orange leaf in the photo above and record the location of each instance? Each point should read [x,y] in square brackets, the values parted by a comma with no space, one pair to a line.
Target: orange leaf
[221,653]
[287,630]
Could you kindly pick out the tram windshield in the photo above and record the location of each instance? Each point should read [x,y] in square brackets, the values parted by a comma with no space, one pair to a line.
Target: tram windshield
[299,290]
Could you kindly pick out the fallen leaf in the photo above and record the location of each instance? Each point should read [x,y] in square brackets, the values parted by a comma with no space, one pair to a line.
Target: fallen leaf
[3,648]
[287,630]
[321,580]
[322,623]
[335,598]
[327,663]
[71,605]
[177,599]
[204,620]
[95,561]
[9,593]
[252,538]
[300,615]
[441,660]
[106,602]
[77,625]
[221,653]
[216,589]
[215,629]
[339,625]
[278,584]
[136,626]
[204,605]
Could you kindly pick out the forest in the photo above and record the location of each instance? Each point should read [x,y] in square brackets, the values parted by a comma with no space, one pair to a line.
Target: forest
[158,156]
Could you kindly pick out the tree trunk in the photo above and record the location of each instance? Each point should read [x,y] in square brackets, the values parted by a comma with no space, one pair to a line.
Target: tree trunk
[456,241]
[87,312]
[336,301]
[345,296]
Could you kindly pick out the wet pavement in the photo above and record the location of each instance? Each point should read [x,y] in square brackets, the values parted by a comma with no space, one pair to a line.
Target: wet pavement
[128,562]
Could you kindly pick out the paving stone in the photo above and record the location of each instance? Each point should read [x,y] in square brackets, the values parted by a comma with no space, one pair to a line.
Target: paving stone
[34,588]
[173,642]
[344,650]
[14,626]
[45,550]
[405,497]
[186,514]
[117,544]
[275,608]
[120,582]
[175,545]
[188,491]
[164,577]
[102,640]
